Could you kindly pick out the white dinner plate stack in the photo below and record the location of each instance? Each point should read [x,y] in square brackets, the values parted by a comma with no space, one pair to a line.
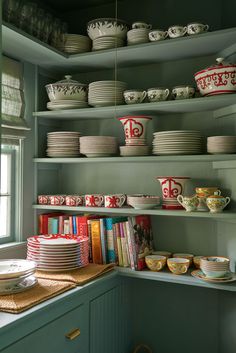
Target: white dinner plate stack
[98,146]
[63,144]
[107,42]
[57,252]
[177,142]
[221,144]
[106,93]
[16,276]
[66,104]
[75,44]
[137,36]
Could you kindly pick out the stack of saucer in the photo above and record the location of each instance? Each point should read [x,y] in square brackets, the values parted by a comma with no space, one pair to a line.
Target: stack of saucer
[63,144]
[221,144]
[98,146]
[106,93]
[137,36]
[56,252]
[16,276]
[75,43]
[66,104]
[177,142]
[107,42]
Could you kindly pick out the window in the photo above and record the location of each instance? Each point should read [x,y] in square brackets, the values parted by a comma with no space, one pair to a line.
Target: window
[13,125]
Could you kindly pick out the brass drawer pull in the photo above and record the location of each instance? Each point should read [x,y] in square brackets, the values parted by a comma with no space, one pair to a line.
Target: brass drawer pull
[73,334]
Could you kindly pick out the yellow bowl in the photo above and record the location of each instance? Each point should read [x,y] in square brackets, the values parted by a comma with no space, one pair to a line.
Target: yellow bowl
[155,262]
[196,260]
[185,256]
[178,266]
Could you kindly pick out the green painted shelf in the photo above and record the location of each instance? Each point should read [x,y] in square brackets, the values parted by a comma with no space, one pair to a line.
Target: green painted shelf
[224,216]
[25,47]
[227,158]
[165,276]
[224,164]
[171,106]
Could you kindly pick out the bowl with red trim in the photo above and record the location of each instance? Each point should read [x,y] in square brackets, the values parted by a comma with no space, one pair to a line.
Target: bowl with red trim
[217,79]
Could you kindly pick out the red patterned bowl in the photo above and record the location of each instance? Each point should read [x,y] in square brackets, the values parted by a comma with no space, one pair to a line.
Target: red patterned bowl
[217,79]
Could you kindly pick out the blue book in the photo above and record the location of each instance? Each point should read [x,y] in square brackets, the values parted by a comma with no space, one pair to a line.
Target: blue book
[74,225]
[111,245]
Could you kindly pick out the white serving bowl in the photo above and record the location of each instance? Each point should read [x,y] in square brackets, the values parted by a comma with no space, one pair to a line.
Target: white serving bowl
[107,27]
[143,202]
[67,89]
[217,79]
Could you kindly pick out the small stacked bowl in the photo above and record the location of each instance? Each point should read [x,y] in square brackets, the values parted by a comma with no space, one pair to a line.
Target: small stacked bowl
[137,36]
[215,266]
[143,202]
[98,146]
[221,144]
[75,44]
[107,32]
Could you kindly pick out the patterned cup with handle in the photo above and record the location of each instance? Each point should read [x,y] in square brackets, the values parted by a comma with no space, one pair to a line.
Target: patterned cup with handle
[56,200]
[94,200]
[114,201]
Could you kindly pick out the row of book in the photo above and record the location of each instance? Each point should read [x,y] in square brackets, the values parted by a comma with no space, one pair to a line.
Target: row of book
[121,240]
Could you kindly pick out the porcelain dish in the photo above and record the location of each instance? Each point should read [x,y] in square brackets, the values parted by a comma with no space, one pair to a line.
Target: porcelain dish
[107,27]
[67,89]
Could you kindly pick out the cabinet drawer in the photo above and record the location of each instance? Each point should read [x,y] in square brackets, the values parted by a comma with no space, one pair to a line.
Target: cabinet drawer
[51,338]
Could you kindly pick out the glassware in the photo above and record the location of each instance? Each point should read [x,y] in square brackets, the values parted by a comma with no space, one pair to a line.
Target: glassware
[47,27]
[56,33]
[10,10]
[27,11]
[40,24]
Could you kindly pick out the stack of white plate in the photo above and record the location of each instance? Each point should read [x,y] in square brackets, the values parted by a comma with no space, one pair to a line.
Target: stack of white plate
[57,252]
[107,42]
[63,144]
[137,36]
[177,142]
[106,93]
[16,276]
[66,104]
[98,146]
[75,43]
[221,144]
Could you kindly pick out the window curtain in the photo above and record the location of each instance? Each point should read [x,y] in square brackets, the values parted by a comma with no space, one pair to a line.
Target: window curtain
[12,105]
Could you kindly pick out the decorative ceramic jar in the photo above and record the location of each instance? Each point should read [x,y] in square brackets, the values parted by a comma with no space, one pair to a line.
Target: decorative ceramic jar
[176,31]
[172,186]
[190,203]
[101,27]
[155,262]
[157,34]
[196,28]
[217,79]
[202,193]
[216,203]
[157,94]
[134,96]
[135,126]
[67,89]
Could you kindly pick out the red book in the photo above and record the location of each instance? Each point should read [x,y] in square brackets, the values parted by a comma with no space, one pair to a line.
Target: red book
[43,221]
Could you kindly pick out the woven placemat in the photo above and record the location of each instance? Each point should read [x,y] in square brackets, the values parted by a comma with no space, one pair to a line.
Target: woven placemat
[45,289]
[79,276]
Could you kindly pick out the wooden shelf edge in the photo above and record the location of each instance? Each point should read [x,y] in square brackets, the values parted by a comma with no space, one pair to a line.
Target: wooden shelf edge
[164,276]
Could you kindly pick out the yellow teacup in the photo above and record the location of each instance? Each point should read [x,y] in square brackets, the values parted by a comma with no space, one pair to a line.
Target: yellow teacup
[178,266]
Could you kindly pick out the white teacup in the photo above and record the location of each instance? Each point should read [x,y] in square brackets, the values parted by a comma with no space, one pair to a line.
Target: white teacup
[114,200]
[94,200]
[176,31]
[190,203]
[157,34]
[196,28]
[183,92]
[141,24]
[134,96]
[157,94]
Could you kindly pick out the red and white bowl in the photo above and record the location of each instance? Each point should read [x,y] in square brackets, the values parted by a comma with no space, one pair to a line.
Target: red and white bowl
[217,79]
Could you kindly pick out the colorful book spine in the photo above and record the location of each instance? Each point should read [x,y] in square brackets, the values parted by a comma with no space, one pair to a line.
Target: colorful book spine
[131,245]
[53,225]
[66,226]
[123,245]
[103,240]
[96,241]
[126,242]
[74,225]
[115,242]
[111,255]
[119,248]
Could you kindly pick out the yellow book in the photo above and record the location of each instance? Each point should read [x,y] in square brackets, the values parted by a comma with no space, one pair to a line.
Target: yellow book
[96,241]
